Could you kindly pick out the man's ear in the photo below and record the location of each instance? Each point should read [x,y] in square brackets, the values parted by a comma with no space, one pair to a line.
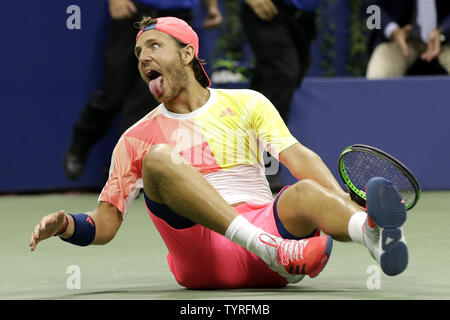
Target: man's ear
[187,54]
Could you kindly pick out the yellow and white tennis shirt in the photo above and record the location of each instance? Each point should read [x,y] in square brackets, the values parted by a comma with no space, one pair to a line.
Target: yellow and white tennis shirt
[224,140]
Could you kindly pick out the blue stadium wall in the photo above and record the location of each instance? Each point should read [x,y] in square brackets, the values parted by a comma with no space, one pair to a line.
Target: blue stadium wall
[49,71]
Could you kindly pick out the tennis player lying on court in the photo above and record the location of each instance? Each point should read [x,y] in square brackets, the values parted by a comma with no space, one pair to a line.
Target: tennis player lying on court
[198,158]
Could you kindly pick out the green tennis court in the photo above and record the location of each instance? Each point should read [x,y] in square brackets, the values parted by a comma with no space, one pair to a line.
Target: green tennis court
[133,265]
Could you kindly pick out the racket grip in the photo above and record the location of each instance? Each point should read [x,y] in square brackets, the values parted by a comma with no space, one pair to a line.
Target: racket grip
[360,201]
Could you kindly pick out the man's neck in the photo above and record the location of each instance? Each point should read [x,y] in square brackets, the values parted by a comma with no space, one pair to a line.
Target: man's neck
[189,100]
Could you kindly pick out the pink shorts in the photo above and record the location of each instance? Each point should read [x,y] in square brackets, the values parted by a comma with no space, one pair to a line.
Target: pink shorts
[200,258]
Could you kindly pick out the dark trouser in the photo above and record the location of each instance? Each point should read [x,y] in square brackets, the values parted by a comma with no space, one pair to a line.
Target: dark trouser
[281,48]
[123,89]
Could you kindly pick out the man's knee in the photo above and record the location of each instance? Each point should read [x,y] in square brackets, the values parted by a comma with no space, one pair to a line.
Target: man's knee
[158,158]
[296,211]
[386,61]
[155,170]
[307,193]
[306,188]
[444,58]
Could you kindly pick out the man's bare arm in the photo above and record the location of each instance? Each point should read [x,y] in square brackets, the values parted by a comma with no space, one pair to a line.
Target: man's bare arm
[107,220]
[304,163]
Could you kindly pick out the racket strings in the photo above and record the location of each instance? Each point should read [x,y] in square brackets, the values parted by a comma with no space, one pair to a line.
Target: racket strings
[361,167]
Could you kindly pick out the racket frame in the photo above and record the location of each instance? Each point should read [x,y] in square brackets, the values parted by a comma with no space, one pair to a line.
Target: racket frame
[384,156]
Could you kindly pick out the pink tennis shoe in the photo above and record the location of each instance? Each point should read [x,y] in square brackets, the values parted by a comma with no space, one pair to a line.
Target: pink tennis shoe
[293,259]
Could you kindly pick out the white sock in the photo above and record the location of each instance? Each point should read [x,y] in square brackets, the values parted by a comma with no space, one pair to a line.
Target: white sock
[246,234]
[355,226]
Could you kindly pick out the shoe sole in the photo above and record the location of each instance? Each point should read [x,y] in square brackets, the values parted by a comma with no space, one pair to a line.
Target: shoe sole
[386,209]
[325,259]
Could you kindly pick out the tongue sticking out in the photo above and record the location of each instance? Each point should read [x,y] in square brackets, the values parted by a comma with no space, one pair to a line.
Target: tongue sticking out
[155,86]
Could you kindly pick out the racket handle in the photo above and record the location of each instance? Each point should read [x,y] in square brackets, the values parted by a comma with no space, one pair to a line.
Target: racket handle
[360,201]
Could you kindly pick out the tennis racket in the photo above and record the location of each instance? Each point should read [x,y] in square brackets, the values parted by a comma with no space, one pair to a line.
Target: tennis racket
[360,163]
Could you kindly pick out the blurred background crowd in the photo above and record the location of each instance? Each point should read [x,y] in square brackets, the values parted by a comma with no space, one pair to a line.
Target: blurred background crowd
[70,91]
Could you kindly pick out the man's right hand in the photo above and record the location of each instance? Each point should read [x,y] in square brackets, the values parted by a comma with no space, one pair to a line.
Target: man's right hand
[47,227]
[264,9]
[121,9]
[399,36]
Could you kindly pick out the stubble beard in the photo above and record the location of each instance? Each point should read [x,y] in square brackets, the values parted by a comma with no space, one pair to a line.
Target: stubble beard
[178,79]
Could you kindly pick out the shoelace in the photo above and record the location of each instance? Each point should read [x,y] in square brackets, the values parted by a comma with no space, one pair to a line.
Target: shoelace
[288,250]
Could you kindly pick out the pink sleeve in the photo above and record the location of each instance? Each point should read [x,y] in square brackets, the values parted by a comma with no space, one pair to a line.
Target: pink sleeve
[125,176]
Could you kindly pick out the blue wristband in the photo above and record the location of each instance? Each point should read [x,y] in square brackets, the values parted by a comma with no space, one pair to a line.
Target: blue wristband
[84,230]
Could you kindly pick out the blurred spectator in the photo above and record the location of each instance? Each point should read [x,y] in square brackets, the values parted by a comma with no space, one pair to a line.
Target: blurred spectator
[280,33]
[410,30]
[122,88]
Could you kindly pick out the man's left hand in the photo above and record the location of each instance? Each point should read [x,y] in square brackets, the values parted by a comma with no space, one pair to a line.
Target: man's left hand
[433,47]
[213,18]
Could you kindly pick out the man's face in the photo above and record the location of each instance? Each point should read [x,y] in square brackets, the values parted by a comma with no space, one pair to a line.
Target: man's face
[160,64]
